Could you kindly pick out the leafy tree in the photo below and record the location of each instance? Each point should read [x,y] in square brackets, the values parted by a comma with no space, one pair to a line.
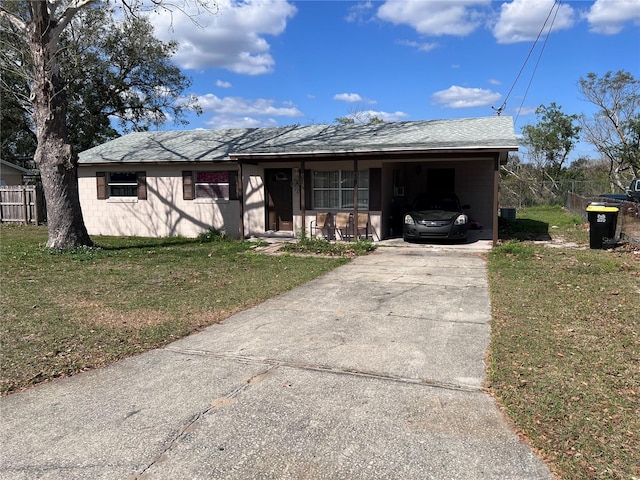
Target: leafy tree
[17,140]
[40,25]
[614,130]
[118,70]
[345,120]
[552,139]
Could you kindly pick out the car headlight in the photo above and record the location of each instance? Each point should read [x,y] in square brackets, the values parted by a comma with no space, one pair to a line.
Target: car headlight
[461,220]
[408,220]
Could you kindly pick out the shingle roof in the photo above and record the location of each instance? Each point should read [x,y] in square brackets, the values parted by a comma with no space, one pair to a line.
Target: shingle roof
[495,133]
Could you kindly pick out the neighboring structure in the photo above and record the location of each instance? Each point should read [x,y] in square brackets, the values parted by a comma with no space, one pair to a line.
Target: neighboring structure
[12,174]
[259,181]
[21,198]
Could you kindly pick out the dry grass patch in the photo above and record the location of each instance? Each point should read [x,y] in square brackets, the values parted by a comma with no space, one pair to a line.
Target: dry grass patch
[64,312]
[94,313]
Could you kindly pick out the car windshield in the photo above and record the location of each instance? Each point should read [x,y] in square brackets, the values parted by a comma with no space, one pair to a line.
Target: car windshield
[449,204]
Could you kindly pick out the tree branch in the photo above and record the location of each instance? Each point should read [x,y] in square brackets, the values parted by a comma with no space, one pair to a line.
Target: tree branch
[11,18]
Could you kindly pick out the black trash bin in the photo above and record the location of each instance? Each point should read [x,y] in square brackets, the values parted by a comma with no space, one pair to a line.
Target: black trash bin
[603,218]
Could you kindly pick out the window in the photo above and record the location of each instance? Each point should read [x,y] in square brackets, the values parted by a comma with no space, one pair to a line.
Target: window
[334,189]
[122,185]
[212,185]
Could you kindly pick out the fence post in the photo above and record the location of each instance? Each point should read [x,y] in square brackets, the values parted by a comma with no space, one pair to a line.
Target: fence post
[25,206]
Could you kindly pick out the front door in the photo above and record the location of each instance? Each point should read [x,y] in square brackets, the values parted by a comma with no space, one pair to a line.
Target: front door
[279,199]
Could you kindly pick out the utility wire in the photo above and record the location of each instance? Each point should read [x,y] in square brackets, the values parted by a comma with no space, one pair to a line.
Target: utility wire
[537,62]
[504,104]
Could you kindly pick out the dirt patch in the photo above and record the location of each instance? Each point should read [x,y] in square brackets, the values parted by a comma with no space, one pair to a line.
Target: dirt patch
[89,312]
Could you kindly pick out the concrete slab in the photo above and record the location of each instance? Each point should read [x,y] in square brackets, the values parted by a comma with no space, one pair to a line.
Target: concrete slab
[373,371]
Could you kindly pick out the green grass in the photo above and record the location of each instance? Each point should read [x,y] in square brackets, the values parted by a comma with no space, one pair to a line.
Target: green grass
[64,312]
[565,348]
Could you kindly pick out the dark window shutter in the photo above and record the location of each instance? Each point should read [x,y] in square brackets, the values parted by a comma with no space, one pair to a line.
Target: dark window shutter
[375,189]
[142,185]
[233,185]
[308,189]
[101,183]
[187,186]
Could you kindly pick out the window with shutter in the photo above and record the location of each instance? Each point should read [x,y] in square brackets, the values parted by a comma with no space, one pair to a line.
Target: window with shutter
[101,184]
[142,185]
[187,185]
[123,184]
[212,185]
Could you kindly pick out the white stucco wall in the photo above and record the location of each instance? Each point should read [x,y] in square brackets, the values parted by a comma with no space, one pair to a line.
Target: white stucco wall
[474,186]
[163,214]
[254,200]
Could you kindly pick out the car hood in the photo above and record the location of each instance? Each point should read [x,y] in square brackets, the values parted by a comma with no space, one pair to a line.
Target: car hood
[434,215]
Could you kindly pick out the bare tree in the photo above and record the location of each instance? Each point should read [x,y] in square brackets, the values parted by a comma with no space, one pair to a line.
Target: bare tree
[615,129]
[41,24]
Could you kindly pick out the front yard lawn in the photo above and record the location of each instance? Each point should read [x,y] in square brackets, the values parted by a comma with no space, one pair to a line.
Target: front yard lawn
[565,349]
[61,313]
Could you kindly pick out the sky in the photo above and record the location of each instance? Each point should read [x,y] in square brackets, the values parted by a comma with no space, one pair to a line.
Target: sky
[264,63]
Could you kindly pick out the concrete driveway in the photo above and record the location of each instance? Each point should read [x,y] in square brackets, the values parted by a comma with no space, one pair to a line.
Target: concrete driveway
[373,371]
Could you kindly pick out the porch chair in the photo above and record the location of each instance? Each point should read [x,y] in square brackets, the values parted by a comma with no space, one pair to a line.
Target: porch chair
[322,223]
[343,225]
[363,225]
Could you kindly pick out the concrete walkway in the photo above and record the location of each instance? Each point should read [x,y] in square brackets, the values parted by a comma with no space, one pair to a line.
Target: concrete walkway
[373,371]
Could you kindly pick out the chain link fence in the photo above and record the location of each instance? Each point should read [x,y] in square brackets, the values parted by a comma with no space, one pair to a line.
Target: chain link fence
[628,227]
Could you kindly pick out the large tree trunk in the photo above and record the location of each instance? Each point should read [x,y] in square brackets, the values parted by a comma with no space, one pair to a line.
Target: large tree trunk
[54,155]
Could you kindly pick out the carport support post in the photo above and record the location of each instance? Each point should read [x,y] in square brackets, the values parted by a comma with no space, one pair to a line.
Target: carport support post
[303,204]
[355,198]
[496,180]
[240,190]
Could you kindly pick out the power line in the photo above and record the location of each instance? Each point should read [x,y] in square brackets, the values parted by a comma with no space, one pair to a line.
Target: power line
[537,62]
[504,104]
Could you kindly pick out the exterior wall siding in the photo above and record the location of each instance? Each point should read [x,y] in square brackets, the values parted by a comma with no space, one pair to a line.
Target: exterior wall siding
[163,214]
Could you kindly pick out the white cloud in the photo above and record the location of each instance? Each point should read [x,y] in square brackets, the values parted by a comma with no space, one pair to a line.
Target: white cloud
[609,16]
[223,84]
[420,46]
[526,111]
[434,17]
[522,20]
[243,107]
[348,97]
[360,12]
[387,116]
[493,81]
[220,122]
[463,97]
[232,37]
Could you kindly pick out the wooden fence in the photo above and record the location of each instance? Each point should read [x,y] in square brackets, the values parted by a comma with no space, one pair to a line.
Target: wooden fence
[628,225]
[22,204]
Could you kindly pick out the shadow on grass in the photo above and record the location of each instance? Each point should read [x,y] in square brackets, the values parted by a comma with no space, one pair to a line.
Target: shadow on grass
[117,243]
[524,229]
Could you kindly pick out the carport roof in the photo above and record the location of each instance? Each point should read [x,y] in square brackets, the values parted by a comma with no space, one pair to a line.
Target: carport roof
[486,133]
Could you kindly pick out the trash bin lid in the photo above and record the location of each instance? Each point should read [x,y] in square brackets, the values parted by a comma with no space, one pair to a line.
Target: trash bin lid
[603,207]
